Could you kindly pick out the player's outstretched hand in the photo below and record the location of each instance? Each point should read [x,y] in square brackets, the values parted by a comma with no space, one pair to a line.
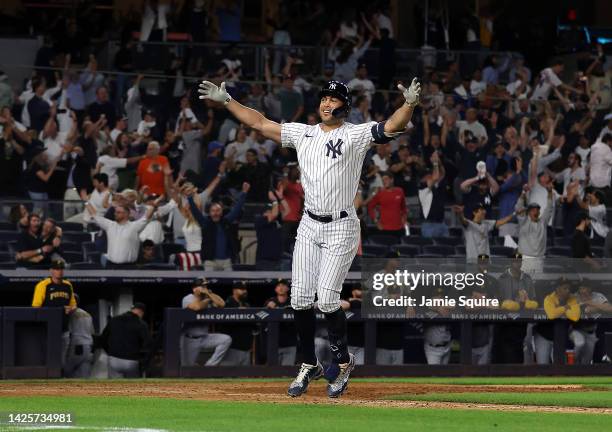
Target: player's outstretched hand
[412,94]
[208,90]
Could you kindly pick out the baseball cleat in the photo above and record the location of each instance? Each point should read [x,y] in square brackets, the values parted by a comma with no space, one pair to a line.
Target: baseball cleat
[338,385]
[306,374]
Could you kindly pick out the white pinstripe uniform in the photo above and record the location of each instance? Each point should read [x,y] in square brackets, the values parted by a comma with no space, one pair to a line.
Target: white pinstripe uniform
[330,164]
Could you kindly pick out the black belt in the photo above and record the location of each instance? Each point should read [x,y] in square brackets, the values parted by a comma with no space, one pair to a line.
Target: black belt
[326,219]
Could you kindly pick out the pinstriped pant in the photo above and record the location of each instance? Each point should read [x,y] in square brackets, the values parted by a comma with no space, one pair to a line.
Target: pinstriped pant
[322,257]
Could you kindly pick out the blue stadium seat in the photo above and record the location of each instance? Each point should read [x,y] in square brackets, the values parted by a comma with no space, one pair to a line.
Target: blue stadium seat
[415,230]
[76,236]
[448,241]
[455,231]
[407,250]
[70,226]
[559,251]
[7,226]
[9,236]
[72,257]
[417,240]
[6,257]
[374,250]
[382,239]
[442,250]
[501,251]
[68,246]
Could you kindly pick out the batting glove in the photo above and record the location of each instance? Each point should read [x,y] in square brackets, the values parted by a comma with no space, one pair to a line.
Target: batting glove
[210,91]
[412,94]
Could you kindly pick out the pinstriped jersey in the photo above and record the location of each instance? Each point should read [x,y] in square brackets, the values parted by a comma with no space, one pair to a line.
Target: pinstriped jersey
[330,162]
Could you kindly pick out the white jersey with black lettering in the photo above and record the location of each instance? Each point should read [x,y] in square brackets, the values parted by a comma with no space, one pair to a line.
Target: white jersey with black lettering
[330,162]
[330,165]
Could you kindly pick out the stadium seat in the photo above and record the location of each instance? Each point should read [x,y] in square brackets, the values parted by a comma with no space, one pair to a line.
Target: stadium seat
[375,250]
[70,226]
[382,239]
[6,257]
[9,236]
[456,231]
[559,251]
[448,241]
[441,250]
[501,251]
[417,241]
[7,226]
[90,252]
[415,230]
[406,250]
[76,236]
[72,257]
[68,246]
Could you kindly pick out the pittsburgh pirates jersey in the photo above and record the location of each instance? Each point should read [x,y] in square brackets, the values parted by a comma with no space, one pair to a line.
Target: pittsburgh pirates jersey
[330,162]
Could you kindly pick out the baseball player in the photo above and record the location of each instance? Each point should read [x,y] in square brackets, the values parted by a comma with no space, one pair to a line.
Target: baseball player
[330,155]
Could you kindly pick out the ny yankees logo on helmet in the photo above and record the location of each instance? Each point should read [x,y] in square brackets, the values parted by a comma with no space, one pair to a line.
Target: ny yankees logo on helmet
[335,149]
[332,86]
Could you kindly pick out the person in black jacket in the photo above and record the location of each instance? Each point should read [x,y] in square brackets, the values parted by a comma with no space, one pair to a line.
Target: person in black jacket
[217,246]
[126,340]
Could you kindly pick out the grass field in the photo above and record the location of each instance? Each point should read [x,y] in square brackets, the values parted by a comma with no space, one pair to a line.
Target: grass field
[458,405]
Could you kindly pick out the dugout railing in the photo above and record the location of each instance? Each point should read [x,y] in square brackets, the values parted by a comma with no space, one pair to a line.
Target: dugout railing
[271,319]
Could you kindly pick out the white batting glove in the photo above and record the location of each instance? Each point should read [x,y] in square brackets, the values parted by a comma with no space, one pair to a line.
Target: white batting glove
[412,94]
[210,91]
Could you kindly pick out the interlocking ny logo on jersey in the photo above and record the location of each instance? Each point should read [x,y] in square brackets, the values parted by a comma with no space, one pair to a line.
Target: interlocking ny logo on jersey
[335,149]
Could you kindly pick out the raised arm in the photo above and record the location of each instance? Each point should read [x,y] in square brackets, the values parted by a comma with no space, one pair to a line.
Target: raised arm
[400,118]
[237,208]
[248,116]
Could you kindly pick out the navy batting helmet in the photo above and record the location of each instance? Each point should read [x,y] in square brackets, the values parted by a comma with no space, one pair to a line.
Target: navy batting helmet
[338,90]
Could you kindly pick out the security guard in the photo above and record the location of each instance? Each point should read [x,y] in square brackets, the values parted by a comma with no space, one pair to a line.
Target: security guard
[55,291]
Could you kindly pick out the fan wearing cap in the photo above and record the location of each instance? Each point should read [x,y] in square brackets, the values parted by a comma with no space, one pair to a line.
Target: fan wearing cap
[533,225]
[476,231]
[330,155]
[196,336]
[57,292]
[127,342]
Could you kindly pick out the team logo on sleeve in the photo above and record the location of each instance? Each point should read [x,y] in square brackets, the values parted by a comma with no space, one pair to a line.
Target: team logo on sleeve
[334,149]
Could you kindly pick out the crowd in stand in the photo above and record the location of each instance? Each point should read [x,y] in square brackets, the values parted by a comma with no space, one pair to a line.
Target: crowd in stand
[164,181]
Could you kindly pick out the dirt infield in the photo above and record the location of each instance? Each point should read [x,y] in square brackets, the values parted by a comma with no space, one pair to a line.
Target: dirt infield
[359,393]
